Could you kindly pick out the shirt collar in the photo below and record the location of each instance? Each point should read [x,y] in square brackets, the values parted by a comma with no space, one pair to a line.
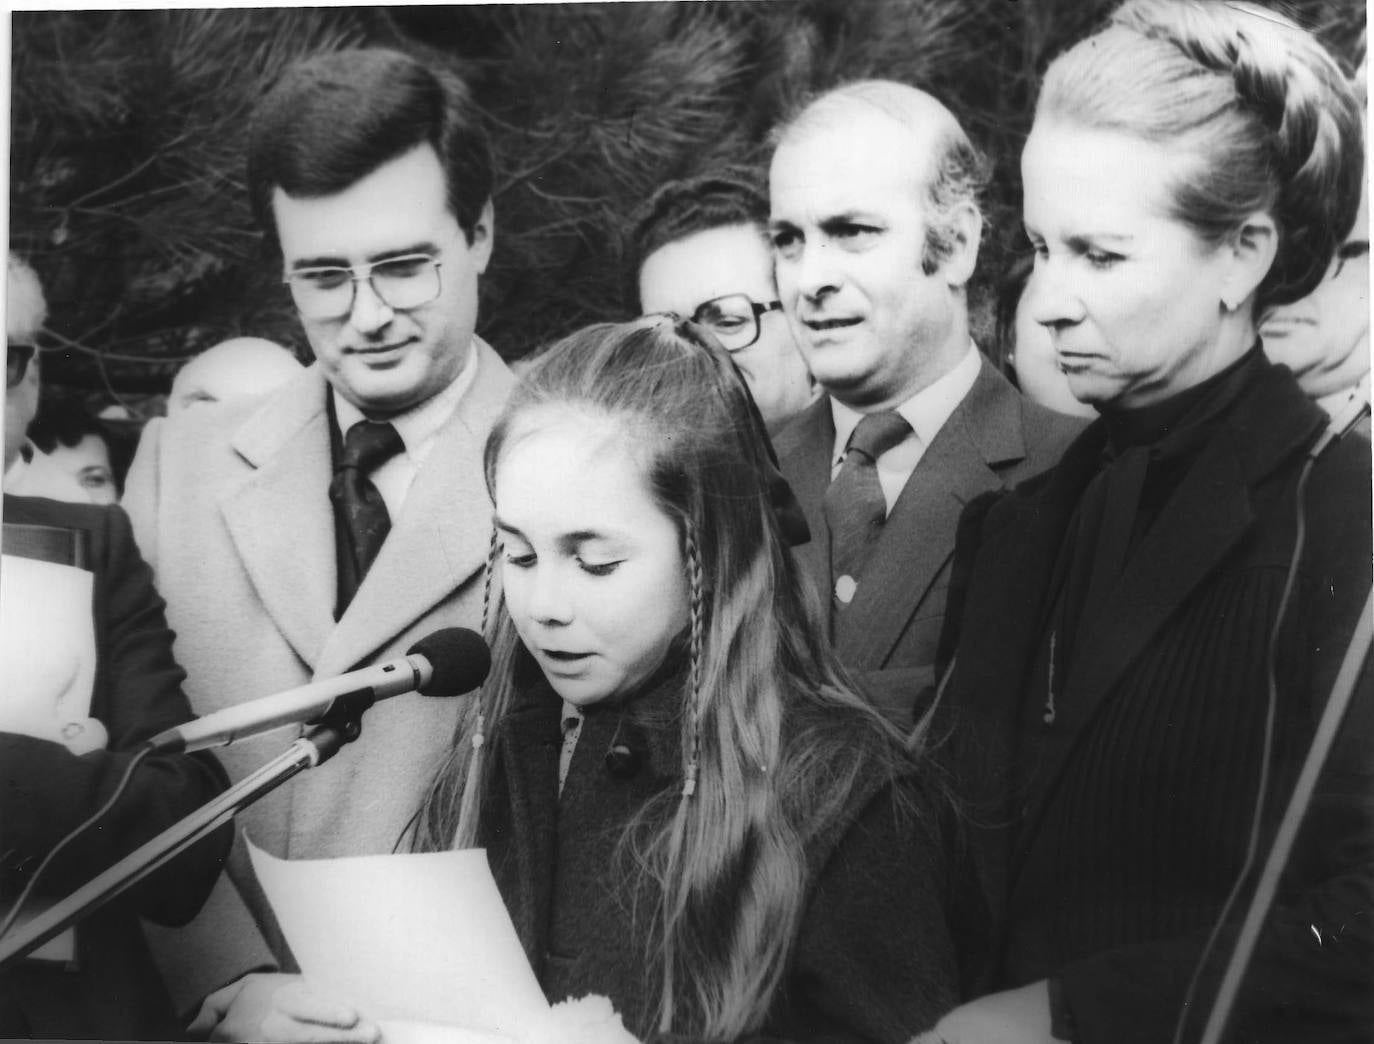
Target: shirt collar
[572,716]
[418,425]
[15,472]
[926,411]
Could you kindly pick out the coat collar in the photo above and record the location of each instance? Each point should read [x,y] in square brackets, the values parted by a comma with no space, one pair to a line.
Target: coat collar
[525,832]
[531,732]
[437,543]
[803,449]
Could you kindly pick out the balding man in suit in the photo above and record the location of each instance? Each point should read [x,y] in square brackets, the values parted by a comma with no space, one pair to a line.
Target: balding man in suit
[875,227]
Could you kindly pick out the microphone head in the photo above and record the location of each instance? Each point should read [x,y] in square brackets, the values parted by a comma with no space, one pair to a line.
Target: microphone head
[459,660]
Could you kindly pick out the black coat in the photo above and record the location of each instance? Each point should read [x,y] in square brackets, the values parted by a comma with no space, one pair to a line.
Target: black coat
[874,960]
[1113,834]
[45,791]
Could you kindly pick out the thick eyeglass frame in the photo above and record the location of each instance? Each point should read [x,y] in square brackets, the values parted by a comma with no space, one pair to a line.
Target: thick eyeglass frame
[757,312]
[356,274]
[17,359]
[1350,250]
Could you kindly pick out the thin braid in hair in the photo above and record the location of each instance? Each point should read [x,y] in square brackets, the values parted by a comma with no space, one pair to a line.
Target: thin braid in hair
[472,781]
[486,580]
[469,796]
[693,556]
[691,747]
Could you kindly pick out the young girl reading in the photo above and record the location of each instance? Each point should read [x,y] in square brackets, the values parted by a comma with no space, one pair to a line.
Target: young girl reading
[686,806]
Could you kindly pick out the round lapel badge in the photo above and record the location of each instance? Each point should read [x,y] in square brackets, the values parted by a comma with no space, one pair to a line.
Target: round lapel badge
[845,587]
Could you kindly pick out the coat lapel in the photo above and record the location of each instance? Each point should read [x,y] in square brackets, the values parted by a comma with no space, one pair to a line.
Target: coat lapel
[1021,536]
[804,450]
[286,442]
[1209,513]
[523,849]
[442,535]
[981,435]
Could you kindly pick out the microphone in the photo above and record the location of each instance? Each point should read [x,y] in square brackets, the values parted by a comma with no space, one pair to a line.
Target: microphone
[445,663]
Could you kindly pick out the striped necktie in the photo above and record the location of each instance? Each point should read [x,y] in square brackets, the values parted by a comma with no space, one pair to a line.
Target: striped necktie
[855,508]
[360,513]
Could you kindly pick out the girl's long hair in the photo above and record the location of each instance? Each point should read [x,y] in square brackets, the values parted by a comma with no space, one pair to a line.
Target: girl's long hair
[774,738]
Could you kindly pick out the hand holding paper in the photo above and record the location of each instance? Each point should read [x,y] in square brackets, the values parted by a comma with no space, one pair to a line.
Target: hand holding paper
[422,944]
[283,1009]
[421,938]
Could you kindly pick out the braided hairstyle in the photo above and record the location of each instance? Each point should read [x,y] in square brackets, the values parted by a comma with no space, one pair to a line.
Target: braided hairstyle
[774,737]
[1262,110]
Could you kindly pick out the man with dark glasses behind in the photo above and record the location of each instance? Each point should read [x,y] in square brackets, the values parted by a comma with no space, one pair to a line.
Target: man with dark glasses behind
[701,251]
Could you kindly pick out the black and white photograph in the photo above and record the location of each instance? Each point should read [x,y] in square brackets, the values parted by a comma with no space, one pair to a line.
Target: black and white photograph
[688,522]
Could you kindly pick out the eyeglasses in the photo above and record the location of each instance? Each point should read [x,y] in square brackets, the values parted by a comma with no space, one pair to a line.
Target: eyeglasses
[1351,250]
[401,283]
[734,319]
[17,358]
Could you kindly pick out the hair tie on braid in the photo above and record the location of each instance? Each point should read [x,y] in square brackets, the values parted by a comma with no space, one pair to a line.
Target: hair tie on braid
[479,734]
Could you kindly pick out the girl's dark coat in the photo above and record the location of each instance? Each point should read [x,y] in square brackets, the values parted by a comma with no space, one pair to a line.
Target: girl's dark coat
[874,959]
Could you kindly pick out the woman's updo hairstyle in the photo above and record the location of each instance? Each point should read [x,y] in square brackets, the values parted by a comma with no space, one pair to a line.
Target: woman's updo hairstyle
[1265,113]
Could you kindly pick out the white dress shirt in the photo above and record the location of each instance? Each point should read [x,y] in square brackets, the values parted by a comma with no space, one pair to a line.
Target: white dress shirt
[417,427]
[926,412]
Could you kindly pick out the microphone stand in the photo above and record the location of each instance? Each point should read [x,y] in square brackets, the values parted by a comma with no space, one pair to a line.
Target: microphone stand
[340,726]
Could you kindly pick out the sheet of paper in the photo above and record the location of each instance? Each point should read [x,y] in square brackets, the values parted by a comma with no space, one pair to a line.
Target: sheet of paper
[47,647]
[415,937]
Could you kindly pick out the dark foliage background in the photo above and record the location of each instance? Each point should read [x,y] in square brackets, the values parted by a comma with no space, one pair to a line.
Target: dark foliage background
[126,187]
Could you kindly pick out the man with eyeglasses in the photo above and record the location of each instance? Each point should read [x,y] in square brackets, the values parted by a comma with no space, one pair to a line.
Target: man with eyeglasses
[875,227]
[702,252]
[25,310]
[333,522]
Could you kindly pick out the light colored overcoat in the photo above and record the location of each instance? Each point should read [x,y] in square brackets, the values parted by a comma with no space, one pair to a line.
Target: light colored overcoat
[231,507]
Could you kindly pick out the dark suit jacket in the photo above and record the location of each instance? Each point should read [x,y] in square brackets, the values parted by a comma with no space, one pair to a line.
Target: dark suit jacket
[45,791]
[890,634]
[1136,801]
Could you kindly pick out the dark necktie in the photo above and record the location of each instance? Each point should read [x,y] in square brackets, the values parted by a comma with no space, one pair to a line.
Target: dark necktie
[854,505]
[360,514]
